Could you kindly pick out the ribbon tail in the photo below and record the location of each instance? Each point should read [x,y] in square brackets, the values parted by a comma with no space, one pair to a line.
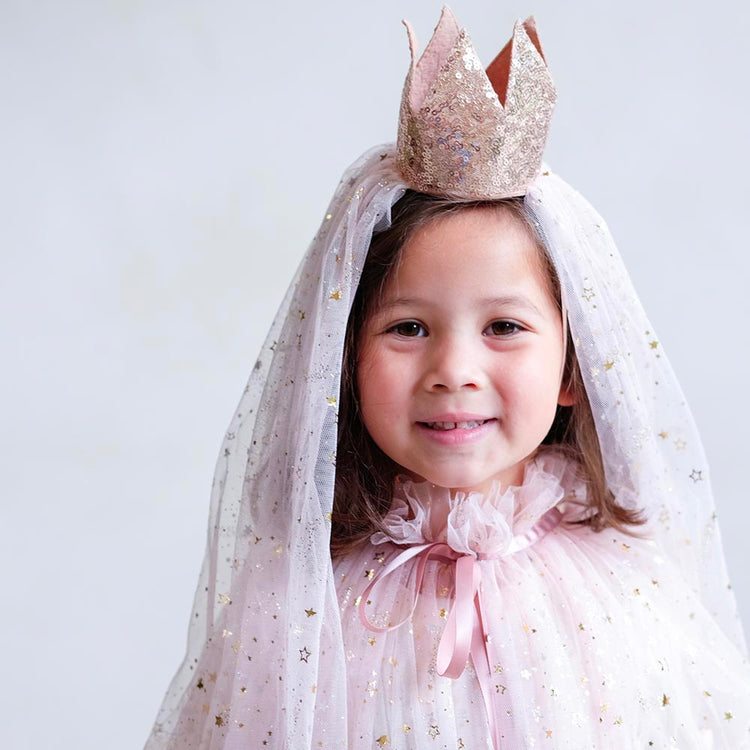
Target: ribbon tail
[480,656]
[455,643]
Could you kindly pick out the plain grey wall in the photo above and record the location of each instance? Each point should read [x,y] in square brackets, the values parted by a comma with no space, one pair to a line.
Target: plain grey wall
[164,165]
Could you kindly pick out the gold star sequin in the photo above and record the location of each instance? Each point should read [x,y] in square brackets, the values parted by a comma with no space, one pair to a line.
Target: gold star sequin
[371,641]
[548,733]
[406,728]
[588,294]
[460,744]
[653,344]
[706,694]
[336,295]
[663,434]
[433,731]
[243,689]
[331,401]
[370,574]
[443,613]
[304,654]
[665,700]
[225,599]
[383,740]
[219,721]
[609,364]
[728,715]
[200,684]
[680,445]
[696,476]
[310,612]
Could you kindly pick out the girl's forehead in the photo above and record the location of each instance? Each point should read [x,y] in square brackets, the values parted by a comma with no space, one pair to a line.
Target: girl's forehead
[479,247]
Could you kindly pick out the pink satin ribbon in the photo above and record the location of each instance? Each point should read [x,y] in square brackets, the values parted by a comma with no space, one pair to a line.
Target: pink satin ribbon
[465,632]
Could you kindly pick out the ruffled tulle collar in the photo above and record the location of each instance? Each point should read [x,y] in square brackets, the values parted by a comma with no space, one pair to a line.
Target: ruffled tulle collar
[484,523]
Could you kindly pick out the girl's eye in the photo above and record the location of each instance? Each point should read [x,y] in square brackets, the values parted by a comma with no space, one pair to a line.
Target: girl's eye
[503,328]
[409,329]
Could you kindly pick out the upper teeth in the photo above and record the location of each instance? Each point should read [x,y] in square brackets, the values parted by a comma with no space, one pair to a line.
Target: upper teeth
[454,425]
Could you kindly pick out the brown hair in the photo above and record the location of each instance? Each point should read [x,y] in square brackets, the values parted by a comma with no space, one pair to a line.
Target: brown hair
[364,474]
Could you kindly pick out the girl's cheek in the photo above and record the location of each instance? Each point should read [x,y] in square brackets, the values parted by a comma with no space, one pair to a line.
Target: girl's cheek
[532,375]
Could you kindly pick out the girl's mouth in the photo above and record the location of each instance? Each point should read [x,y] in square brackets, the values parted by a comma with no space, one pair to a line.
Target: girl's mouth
[453,434]
[447,426]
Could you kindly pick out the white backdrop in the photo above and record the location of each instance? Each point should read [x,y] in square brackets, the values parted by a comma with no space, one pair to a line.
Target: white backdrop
[163,166]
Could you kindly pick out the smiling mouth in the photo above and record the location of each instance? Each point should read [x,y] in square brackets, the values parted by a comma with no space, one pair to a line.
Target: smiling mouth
[447,426]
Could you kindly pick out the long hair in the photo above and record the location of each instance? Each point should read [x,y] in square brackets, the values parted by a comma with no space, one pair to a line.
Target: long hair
[364,474]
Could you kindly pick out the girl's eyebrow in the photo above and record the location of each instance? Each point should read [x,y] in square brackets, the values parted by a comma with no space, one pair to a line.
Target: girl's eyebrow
[515,300]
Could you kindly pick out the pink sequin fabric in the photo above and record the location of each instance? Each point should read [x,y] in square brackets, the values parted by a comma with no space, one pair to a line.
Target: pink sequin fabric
[468,136]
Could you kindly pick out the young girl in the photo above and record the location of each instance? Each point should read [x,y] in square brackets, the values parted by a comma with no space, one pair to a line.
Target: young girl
[462,502]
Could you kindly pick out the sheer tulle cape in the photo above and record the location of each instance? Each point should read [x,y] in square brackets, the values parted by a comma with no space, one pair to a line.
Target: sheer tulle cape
[594,639]
[265,659]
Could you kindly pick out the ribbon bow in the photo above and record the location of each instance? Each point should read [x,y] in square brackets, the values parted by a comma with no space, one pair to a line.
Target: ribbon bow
[464,631]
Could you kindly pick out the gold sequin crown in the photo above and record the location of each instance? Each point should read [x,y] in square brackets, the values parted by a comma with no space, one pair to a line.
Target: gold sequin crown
[468,134]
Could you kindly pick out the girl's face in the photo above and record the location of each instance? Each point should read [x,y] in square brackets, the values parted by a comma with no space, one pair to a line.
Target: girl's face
[460,367]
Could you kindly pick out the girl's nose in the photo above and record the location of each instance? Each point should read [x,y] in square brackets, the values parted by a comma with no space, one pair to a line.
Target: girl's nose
[452,365]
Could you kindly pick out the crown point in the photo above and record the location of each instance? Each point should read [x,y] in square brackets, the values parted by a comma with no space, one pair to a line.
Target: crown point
[446,14]
[529,27]
[412,42]
[442,39]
